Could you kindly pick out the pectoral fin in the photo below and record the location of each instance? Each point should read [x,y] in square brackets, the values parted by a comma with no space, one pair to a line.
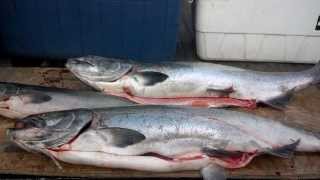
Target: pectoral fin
[121,137]
[284,151]
[150,78]
[213,172]
[36,98]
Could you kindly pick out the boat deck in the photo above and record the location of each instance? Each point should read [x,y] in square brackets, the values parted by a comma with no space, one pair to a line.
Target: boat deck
[303,112]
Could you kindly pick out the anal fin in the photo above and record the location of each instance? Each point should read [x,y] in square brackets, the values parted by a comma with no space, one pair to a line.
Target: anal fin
[284,151]
[280,102]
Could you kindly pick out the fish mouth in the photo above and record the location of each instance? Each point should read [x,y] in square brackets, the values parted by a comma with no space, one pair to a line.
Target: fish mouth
[6,111]
[4,105]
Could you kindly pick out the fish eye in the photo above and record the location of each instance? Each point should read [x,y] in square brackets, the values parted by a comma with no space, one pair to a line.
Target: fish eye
[24,124]
[19,125]
[88,63]
[30,123]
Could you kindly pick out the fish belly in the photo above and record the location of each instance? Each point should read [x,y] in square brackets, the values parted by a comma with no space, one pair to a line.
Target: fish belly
[142,163]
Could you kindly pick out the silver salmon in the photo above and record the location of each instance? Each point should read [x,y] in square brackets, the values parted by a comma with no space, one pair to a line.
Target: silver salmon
[190,83]
[160,138]
[19,100]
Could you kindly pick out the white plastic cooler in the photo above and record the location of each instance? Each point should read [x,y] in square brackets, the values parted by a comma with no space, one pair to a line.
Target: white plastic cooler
[258,30]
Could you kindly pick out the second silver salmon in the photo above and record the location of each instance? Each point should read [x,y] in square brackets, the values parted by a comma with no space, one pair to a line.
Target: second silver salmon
[19,100]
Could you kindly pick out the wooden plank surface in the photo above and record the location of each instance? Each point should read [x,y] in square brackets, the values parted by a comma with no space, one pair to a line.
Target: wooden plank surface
[303,112]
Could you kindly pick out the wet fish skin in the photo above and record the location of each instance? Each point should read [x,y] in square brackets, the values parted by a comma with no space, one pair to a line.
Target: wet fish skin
[181,138]
[208,83]
[19,100]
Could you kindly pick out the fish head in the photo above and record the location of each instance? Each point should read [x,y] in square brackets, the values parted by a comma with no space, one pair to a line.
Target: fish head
[49,130]
[98,69]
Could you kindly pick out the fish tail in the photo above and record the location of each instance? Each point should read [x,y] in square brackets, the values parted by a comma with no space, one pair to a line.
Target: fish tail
[315,73]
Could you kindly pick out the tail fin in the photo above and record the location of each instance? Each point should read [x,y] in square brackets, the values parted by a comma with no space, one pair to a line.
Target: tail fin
[315,73]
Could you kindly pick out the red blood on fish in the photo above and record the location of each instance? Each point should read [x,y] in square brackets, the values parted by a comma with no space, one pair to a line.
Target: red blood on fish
[190,158]
[199,103]
[127,91]
[64,147]
[189,101]
[240,161]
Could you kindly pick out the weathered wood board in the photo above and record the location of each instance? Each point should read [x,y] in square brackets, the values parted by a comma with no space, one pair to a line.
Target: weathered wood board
[304,111]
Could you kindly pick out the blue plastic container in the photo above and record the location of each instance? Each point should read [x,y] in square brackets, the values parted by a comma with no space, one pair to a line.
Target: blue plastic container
[136,29]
